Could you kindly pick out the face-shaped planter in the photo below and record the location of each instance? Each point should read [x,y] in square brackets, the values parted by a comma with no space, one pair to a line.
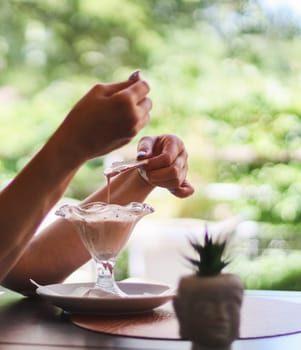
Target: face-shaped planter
[208,309]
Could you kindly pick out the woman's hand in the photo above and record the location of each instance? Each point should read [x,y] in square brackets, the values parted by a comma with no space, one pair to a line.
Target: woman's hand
[167,166]
[107,117]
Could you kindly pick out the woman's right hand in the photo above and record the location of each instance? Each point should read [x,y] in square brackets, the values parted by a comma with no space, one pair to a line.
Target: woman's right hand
[106,118]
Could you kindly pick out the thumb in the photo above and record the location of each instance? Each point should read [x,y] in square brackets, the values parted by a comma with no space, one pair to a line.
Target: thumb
[145,147]
[110,89]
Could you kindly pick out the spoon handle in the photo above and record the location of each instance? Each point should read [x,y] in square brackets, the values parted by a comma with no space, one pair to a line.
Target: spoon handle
[122,166]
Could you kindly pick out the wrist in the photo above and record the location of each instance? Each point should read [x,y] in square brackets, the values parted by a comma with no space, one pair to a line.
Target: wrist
[66,153]
[144,177]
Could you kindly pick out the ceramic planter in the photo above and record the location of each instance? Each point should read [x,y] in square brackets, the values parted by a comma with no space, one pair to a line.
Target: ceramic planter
[208,309]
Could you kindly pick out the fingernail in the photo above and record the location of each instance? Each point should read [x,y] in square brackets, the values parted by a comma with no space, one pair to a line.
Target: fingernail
[135,75]
[141,154]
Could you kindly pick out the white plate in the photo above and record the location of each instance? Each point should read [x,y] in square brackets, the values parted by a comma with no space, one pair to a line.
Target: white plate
[136,301]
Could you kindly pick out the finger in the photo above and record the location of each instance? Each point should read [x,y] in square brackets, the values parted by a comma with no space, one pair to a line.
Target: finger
[145,147]
[110,89]
[170,155]
[185,190]
[172,184]
[167,178]
[138,90]
[174,173]
[144,112]
[172,177]
[135,75]
[164,150]
[145,105]
[142,122]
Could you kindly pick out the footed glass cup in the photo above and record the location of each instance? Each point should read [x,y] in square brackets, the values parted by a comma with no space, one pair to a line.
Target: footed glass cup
[104,230]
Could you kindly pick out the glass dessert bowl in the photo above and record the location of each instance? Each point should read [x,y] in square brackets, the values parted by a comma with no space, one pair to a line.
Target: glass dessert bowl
[104,230]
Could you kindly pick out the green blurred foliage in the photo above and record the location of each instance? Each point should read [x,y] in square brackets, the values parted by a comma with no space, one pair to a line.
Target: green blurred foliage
[224,75]
[264,273]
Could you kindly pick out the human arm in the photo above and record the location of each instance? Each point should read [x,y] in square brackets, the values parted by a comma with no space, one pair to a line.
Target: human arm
[57,251]
[107,117]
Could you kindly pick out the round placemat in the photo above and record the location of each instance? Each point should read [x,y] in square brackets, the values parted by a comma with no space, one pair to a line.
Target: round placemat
[260,318]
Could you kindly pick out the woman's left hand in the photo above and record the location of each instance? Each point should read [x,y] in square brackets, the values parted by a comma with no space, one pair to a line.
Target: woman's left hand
[167,163]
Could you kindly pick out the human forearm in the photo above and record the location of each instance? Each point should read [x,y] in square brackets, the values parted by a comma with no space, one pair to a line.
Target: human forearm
[28,198]
[124,188]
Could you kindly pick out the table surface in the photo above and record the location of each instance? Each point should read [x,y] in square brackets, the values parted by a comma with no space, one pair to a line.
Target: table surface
[34,324]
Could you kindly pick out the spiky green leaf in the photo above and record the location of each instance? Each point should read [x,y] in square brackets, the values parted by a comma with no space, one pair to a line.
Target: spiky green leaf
[210,259]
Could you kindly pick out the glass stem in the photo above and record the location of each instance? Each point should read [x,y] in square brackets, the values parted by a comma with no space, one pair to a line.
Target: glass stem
[105,277]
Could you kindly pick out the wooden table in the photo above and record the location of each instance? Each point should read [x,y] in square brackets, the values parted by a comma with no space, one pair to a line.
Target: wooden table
[33,324]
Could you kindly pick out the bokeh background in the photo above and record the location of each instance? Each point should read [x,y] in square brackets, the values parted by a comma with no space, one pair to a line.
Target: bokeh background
[225,77]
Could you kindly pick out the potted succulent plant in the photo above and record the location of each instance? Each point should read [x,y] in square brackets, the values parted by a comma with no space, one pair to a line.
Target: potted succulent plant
[208,302]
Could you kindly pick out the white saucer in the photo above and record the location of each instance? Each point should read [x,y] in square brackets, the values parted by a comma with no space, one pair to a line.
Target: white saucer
[141,297]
